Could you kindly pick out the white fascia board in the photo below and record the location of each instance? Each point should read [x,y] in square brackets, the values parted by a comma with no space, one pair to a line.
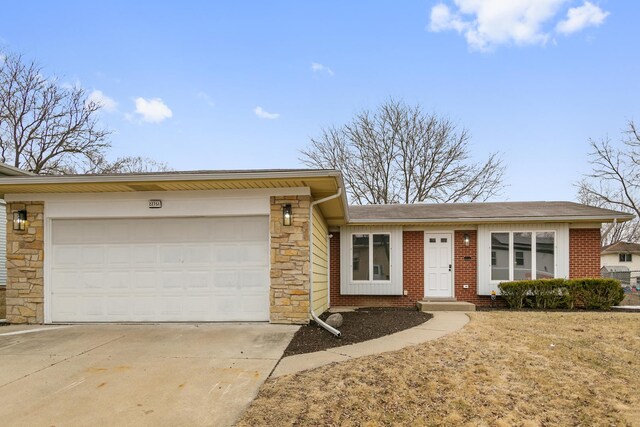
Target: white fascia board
[98,179]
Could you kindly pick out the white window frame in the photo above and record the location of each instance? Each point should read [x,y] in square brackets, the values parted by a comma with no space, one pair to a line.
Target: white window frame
[393,286]
[625,257]
[371,280]
[534,261]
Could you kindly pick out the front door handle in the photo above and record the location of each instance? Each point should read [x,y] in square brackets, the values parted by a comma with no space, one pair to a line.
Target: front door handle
[449,267]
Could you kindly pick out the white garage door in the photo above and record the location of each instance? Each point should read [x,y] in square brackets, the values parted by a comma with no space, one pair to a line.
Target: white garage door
[169,269]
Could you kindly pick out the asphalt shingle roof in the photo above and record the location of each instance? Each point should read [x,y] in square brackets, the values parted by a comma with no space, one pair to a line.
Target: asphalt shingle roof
[480,211]
[621,247]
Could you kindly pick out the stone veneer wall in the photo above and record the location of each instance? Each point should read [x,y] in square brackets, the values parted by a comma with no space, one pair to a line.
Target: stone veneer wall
[3,302]
[289,295]
[25,260]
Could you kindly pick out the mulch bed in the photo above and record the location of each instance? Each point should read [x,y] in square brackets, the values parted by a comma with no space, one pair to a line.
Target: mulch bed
[360,325]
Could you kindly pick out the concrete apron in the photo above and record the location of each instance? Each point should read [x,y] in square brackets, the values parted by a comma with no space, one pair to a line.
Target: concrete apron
[442,323]
[178,375]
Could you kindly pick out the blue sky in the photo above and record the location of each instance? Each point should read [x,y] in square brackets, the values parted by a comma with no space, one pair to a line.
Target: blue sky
[532,79]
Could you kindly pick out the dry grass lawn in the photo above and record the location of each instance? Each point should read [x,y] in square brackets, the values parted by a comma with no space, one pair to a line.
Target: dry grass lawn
[502,369]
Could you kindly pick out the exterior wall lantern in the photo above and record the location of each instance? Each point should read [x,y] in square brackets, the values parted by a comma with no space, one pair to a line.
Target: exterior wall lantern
[287,214]
[467,239]
[20,220]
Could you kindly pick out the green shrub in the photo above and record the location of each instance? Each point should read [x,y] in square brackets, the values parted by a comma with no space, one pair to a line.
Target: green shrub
[548,293]
[514,293]
[598,294]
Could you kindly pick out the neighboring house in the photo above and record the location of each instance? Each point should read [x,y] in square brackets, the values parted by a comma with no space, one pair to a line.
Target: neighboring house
[622,259]
[267,245]
[5,170]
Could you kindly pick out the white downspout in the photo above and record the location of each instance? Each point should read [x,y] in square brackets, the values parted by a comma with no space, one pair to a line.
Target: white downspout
[331,329]
[329,236]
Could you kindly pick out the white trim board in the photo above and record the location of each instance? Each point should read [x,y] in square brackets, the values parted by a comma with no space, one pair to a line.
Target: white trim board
[392,287]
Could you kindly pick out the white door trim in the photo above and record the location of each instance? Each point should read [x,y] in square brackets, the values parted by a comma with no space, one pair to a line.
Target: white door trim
[451,235]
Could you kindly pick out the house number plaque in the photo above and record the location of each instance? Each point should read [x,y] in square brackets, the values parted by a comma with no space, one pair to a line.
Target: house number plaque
[155,204]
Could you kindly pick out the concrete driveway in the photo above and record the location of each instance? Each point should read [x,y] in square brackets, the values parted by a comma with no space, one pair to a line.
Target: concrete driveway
[156,375]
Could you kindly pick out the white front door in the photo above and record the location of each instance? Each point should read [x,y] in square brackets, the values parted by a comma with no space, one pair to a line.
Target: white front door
[438,265]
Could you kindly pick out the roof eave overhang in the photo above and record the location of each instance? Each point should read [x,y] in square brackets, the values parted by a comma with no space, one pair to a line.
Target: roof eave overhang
[14,184]
[167,177]
[493,220]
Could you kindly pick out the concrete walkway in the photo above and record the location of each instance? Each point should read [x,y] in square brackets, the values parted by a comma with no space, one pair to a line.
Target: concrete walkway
[442,323]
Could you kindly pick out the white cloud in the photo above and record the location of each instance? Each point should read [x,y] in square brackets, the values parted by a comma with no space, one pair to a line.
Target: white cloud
[152,110]
[319,68]
[581,17]
[108,104]
[486,24]
[68,85]
[260,112]
[206,98]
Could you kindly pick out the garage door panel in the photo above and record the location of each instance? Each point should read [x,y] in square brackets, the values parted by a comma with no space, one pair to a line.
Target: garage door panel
[225,281]
[65,280]
[66,256]
[252,280]
[160,269]
[118,255]
[90,255]
[171,280]
[144,308]
[198,280]
[92,280]
[224,253]
[117,280]
[92,232]
[251,304]
[142,255]
[144,281]
[171,254]
[116,232]
[252,229]
[197,254]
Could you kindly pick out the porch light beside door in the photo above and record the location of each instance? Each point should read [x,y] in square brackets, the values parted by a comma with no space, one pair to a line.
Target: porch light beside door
[467,239]
[20,220]
[286,214]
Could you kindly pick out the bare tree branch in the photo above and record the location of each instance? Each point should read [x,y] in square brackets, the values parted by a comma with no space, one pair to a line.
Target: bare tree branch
[44,127]
[614,181]
[399,154]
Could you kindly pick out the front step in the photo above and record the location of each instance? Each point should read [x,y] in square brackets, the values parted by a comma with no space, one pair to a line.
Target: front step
[446,306]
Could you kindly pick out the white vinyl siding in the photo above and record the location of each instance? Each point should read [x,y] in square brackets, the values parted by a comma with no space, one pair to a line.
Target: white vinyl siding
[373,285]
[320,263]
[561,250]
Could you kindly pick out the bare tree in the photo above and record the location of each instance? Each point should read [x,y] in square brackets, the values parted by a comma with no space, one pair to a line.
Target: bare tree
[399,154]
[614,181]
[44,127]
[127,164]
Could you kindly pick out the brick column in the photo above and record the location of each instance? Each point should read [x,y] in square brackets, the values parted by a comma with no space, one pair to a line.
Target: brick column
[289,296]
[584,253]
[25,260]
[466,266]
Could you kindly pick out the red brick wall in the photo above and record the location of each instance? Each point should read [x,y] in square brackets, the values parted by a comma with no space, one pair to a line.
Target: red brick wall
[466,269]
[412,270]
[584,252]
[465,265]
[465,273]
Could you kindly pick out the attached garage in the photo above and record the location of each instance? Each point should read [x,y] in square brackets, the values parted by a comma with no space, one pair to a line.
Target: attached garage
[160,269]
[201,246]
